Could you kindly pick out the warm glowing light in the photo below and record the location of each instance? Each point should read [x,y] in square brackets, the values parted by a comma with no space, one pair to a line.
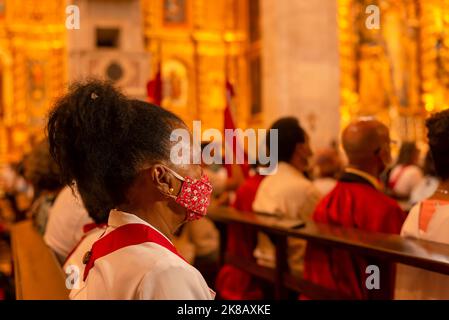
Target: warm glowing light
[429,107]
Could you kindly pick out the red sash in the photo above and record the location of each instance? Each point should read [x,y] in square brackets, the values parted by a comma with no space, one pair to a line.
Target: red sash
[398,176]
[86,228]
[90,226]
[427,210]
[124,236]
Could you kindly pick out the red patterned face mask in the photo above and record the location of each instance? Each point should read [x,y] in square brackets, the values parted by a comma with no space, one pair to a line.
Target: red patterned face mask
[194,195]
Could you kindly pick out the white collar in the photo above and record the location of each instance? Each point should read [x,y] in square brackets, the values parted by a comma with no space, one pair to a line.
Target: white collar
[289,169]
[119,218]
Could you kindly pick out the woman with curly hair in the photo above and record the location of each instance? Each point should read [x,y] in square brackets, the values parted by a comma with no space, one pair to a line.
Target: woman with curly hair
[117,151]
[429,219]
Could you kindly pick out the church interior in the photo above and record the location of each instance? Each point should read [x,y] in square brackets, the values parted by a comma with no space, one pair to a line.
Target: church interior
[357,91]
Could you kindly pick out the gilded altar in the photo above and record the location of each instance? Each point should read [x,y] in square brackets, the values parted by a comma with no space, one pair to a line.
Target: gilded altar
[33,70]
[399,71]
[198,45]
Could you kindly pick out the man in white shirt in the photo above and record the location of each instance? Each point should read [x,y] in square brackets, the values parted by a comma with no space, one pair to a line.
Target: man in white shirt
[66,220]
[288,192]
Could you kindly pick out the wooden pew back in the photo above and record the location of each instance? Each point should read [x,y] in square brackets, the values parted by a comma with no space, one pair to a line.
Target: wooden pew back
[389,248]
[38,274]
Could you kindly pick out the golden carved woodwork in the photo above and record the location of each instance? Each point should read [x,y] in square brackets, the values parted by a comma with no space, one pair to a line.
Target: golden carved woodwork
[398,72]
[435,54]
[209,44]
[212,44]
[33,65]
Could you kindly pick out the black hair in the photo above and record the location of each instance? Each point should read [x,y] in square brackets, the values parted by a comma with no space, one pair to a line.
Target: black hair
[438,136]
[407,153]
[101,139]
[290,133]
[429,166]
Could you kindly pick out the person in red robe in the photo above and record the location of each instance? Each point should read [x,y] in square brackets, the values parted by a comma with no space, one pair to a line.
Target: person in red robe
[358,202]
[233,283]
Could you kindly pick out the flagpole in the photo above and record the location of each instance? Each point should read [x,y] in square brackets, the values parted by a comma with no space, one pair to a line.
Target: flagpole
[159,73]
[159,53]
[154,86]
[226,65]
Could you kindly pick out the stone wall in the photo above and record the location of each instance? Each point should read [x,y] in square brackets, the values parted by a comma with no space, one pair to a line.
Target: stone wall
[301,65]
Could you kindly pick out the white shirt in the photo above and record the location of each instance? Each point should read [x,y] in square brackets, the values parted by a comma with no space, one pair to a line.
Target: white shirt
[415,283]
[407,179]
[66,219]
[291,195]
[74,262]
[146,271]
[324,185]
[203,235]
[425,189]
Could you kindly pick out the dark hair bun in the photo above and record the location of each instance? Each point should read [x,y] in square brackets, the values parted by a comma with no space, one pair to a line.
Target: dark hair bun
[99,138]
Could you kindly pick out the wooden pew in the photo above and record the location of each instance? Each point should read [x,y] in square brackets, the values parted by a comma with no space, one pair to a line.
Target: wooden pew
[391,248]
[37,272]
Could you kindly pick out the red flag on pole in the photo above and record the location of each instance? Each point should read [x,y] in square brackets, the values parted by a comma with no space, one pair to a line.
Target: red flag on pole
[154,87]
[232,143]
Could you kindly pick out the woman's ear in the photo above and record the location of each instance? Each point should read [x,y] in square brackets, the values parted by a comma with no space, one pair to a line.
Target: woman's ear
[164,180]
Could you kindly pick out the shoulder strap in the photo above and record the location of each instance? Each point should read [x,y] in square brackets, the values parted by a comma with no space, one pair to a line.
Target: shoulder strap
[426,211]
[398,176]
[90,226]
[124,236]
[86,229]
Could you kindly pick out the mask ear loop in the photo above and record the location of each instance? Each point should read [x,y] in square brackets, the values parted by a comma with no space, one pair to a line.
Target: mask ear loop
[178,176]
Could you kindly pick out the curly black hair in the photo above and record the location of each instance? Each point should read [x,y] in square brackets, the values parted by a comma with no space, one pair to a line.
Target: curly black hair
[101,139]
[290,133]
[438,136]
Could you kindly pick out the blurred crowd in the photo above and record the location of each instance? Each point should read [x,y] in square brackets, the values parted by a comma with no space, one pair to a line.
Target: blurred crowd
[31,189]
[331,185]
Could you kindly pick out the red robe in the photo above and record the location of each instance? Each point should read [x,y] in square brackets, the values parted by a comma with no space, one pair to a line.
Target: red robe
[233,283]
[354,203]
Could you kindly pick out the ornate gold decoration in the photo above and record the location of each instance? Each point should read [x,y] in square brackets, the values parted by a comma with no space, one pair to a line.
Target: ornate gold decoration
[33,71]
[398,73]
[210,45]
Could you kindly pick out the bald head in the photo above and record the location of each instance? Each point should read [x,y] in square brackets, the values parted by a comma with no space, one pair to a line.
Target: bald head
[365,140]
